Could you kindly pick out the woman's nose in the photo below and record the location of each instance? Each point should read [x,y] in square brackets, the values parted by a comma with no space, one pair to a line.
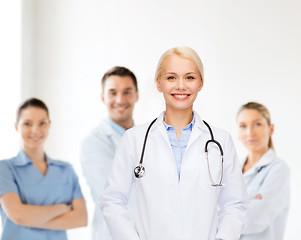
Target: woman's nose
[34,128]
[250,131]
[181,83]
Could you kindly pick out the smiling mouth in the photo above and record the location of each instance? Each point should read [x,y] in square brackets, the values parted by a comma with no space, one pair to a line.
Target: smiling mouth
[35,139]
[180,96]
[120,108]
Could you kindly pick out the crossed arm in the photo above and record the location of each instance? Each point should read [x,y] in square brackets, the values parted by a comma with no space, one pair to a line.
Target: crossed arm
[55,217]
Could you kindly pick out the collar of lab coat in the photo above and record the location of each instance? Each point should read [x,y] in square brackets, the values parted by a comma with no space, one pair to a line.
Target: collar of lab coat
[106,128]
[264,161]
[117,128]
[197,129]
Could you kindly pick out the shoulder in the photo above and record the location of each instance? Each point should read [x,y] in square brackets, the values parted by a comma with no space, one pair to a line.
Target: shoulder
[205,125]
[60,163]
[273,167]
[99,133]
[221,137]
[8,163]
[276,173]
[219,134]
[4,163]
[103,128]
[280,165]
[135,135]
[63,171]
[7,168]
[138,131]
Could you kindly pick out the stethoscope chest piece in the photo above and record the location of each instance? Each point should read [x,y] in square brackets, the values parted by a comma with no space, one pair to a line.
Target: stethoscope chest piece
[139,171]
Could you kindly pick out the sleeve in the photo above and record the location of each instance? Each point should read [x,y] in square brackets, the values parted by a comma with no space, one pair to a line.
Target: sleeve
[275,198]
[7,179]
[233,199]
[96,158]
[76,191]
[114,200]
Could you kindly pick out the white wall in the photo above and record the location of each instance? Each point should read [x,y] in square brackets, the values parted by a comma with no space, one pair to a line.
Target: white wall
[250,49]
[10,75]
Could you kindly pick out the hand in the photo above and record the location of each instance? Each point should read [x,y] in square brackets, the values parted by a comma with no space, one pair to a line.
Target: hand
[65,208]
[258,196]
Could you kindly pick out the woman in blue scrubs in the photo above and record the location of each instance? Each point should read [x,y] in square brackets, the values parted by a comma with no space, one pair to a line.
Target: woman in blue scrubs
[266,176]
[39,197]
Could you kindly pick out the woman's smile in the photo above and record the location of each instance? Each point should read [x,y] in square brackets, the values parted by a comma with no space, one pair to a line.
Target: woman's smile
[180,96]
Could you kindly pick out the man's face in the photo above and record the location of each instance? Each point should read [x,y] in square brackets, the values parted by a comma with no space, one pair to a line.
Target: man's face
[120,95]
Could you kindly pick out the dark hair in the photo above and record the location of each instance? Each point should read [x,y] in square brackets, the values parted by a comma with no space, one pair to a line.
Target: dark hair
[31,102]
[119,71]
[262,110]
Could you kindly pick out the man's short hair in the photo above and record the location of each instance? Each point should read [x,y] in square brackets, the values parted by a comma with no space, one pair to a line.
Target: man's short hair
[119,71]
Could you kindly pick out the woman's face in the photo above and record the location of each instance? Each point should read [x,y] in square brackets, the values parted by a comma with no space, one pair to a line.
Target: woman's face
[254,131]
[180,82]
[33,127]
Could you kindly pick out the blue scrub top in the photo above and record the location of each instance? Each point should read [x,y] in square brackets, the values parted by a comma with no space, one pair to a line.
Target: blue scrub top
[59,185]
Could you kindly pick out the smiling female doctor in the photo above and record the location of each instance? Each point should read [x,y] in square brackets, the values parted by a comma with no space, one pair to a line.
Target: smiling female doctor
[178,193]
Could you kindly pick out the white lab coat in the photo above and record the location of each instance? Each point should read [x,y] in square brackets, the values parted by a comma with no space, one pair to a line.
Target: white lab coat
[97,153]
[188,209]
[266,217]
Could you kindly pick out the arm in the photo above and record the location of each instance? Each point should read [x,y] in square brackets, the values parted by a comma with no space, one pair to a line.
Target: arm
[275,193]
[77,217]
[96,159]
[29,215]
[233,200]
[113,202]
[18,212]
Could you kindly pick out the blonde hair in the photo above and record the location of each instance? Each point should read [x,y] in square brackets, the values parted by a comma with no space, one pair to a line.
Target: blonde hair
[263,111]
[184,52]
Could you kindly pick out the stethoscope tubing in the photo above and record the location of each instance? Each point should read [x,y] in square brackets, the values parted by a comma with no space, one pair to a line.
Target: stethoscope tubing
[139,171]
[145,140]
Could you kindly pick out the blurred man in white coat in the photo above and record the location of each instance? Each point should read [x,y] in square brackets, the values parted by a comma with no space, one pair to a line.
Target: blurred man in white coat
[119,94]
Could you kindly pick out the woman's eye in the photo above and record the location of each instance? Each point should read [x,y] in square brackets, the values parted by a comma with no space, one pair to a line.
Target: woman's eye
[190,77]
[242,126]
[43,123]
[258,124]
[27,124]
[171,78]
[112,94]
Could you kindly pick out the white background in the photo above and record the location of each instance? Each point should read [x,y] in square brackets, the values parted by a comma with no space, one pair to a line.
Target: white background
[58,50]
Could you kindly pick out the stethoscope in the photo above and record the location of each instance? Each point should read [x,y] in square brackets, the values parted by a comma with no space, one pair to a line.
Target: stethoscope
[139,171]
